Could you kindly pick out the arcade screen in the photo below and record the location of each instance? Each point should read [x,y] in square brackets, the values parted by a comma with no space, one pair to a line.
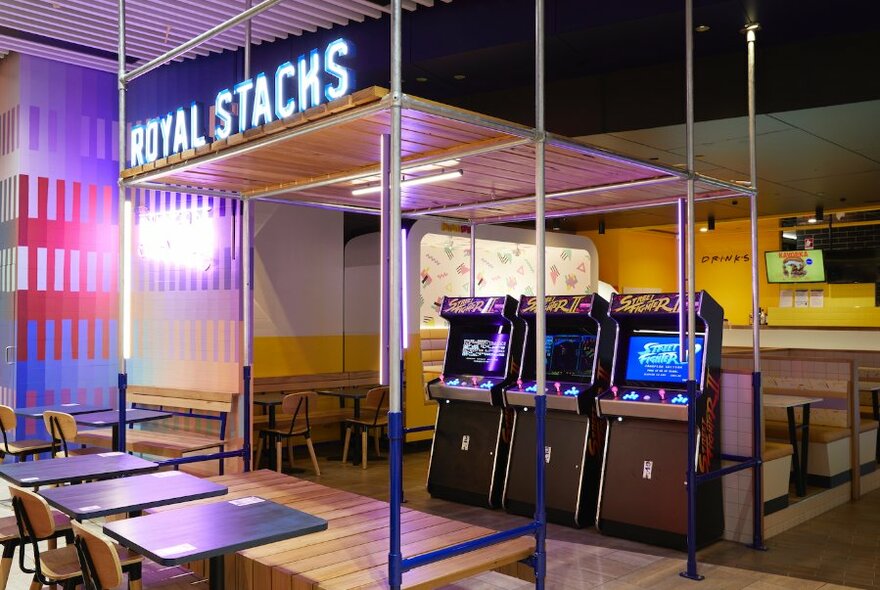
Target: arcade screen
[653,359]
[478,352]
[570,356]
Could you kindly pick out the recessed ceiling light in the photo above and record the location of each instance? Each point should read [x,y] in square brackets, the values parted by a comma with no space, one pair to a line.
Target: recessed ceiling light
[421,79]
[459,76]
[702,28]
[811,220]
[704,229]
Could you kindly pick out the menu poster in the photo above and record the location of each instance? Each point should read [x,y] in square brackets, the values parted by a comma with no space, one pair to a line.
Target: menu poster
[802,298]
[817,298]
[786,298]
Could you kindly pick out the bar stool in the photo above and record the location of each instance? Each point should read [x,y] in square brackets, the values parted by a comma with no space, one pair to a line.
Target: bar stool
[55,566]
[376,402]
[20,449]
[63,430]
[296,404]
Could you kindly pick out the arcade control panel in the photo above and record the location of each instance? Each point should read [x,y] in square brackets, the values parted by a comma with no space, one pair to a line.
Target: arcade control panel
[663,404]
[551,388]
[470,381]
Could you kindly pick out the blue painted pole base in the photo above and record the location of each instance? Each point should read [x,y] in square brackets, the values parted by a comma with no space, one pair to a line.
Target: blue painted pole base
[694,577]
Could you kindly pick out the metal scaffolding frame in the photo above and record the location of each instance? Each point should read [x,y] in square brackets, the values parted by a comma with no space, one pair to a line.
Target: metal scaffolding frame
[390,169]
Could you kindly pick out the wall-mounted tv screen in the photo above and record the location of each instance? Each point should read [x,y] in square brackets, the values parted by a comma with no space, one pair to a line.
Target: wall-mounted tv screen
[795,266]
[653,360]
[570,356]
[478,352]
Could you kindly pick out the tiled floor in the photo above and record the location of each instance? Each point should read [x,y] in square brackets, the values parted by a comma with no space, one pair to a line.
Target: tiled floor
[847,542]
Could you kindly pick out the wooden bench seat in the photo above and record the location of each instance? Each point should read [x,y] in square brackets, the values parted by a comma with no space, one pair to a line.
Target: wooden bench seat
[773,451]
[776,470]
[818,433]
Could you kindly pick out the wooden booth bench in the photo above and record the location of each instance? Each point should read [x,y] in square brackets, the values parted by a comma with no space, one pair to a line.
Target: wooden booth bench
[869,399]
[188,431]
[353,552]
[829,453]
[776,468]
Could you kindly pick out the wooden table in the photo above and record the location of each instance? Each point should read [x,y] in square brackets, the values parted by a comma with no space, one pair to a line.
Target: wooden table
[211,531]
[72,408]
[799,460]
[74,469]
[353,392]
[111,418]
[130,495]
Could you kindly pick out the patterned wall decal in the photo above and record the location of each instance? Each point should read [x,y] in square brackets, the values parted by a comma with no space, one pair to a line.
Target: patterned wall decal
[502,267]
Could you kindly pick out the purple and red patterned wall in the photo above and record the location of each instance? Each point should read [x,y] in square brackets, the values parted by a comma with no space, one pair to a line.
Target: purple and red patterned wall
[59,226]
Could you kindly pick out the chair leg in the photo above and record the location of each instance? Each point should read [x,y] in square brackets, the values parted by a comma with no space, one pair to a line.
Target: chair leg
[278,450]
[364,448]
[36,585]
[376,433]
[345,445]
[312,454]
[134,577]
[6,564]
[259,453]
[290,451]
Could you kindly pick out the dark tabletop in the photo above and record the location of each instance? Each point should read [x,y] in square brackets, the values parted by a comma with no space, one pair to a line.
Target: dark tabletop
[130,494]
[350,391]
[70,408]
[198,532]
[111,417]
[269,399]
[72,469]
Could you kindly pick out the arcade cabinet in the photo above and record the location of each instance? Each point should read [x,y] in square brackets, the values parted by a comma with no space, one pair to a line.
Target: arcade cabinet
[643,494]
[579,346]
[471,434]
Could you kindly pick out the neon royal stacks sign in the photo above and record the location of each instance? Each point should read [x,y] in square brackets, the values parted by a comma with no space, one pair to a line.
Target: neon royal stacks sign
[316,77]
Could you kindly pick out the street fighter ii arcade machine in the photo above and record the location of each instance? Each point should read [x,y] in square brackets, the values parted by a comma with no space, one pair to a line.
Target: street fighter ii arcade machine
[643,494]
[472,431]
[579,348]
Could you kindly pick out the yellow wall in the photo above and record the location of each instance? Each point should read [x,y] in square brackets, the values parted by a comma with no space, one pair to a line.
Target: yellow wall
[297,355]
[636,258]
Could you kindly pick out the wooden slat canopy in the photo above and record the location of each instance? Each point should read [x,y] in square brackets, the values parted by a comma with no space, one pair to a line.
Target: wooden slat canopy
[320,156]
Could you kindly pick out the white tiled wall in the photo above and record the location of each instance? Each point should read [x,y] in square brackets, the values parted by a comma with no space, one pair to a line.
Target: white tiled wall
[736,439]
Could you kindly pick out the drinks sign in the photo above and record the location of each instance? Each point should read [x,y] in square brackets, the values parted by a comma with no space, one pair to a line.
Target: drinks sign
[293,88]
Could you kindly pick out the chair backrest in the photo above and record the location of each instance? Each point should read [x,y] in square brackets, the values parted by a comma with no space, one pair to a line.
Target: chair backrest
[33,514]
[297,404]
[98,559]
[7,424]
[377,400]
[61,427]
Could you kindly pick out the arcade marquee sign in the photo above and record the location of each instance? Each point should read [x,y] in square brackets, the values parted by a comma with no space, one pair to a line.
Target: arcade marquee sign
[315,77]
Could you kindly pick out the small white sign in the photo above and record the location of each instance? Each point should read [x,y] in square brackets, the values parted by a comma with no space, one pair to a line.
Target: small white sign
[246,501]
[29,479]
[647,469]
[547,451]
[465,442]
[88,508]
[70,404]
[111,454]
[175,550]
[99,422]
[168,474]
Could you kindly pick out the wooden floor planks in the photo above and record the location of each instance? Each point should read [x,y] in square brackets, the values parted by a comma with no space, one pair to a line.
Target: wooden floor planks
[353,552]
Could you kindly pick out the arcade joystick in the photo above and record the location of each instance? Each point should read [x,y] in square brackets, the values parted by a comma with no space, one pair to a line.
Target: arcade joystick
[443,379]
[519,384]
[558,387]
[662,393]
[474,381]
[614,390]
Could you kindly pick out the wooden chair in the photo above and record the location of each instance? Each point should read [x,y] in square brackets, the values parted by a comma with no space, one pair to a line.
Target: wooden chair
[297,405]
[103,570]
[376,408]
[63,430]
[20,449]
[9,540]
[55,566]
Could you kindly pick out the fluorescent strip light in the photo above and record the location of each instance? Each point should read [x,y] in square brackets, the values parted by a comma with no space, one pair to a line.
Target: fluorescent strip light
[419,168]
[126,280]
[789,235]
[411,182]
[405,295]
